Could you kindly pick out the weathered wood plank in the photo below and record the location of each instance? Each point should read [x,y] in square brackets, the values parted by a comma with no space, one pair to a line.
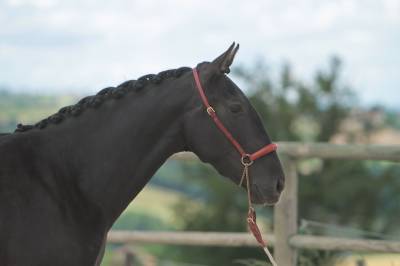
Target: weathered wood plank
[245,239]
[285,217]
[336,243]
[186,238]
[336,151]
[328,151]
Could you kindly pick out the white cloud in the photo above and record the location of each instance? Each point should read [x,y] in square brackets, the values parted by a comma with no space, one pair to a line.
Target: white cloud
[392,10]
[71,45]
[40,4]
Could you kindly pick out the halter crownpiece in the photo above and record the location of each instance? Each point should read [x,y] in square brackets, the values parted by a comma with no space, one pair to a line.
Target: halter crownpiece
[246,159]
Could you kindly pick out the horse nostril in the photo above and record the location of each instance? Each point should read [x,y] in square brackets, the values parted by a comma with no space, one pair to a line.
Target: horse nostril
[280,185]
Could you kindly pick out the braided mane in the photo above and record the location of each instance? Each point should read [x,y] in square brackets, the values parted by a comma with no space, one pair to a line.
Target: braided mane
[103,95]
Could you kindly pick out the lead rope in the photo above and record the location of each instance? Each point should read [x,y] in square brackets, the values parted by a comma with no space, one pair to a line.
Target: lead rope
[251,214]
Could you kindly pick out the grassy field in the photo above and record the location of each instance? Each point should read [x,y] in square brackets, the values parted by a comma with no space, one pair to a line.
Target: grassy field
[158,203]
[28,108]
[152,209]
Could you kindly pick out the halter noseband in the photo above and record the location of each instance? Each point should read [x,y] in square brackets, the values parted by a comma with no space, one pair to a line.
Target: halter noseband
[246,158]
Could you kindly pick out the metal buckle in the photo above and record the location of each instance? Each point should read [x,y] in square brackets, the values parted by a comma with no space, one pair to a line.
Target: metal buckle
[246,160]
[210,110]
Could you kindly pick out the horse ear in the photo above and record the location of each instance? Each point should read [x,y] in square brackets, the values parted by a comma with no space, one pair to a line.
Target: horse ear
[224,61]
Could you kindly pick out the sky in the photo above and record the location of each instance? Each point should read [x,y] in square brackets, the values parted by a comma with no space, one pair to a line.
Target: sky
[81,46]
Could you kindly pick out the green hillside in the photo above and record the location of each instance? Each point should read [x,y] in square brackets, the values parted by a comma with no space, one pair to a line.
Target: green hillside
[28,108]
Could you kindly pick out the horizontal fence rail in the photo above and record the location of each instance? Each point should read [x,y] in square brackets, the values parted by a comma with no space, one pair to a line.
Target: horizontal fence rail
[341,151]
[327,151]
[187,238]
[245,239]
[336,243]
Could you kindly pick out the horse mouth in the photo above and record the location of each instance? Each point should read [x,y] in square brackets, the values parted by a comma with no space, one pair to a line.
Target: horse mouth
[263,199]
[271,202]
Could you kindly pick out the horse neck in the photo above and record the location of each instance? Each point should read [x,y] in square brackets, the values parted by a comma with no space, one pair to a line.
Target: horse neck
[115,150]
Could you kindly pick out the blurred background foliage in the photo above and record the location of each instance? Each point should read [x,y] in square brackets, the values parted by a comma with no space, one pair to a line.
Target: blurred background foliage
[354,196]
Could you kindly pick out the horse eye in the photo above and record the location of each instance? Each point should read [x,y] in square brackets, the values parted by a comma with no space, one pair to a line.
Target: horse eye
[236,108]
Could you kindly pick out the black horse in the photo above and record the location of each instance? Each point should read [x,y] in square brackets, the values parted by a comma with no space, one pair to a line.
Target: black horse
[65,180]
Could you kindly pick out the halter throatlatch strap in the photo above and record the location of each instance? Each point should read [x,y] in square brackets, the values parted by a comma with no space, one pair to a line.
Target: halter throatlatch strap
[246,159]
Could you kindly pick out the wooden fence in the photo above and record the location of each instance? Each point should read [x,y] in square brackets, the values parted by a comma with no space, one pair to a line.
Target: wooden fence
[285,240]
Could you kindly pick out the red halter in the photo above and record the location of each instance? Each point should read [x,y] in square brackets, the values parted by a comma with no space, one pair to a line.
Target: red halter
[245,157]
[246,160]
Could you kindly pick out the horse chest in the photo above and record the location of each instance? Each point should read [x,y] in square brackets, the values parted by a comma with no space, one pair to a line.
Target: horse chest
[37,243]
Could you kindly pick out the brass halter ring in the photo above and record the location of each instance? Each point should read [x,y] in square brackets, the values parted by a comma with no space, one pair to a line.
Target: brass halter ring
[246,160]
[210,110]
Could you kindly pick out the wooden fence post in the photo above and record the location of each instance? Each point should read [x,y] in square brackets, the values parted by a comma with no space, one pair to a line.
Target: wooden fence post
[129,258]
[285,217]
